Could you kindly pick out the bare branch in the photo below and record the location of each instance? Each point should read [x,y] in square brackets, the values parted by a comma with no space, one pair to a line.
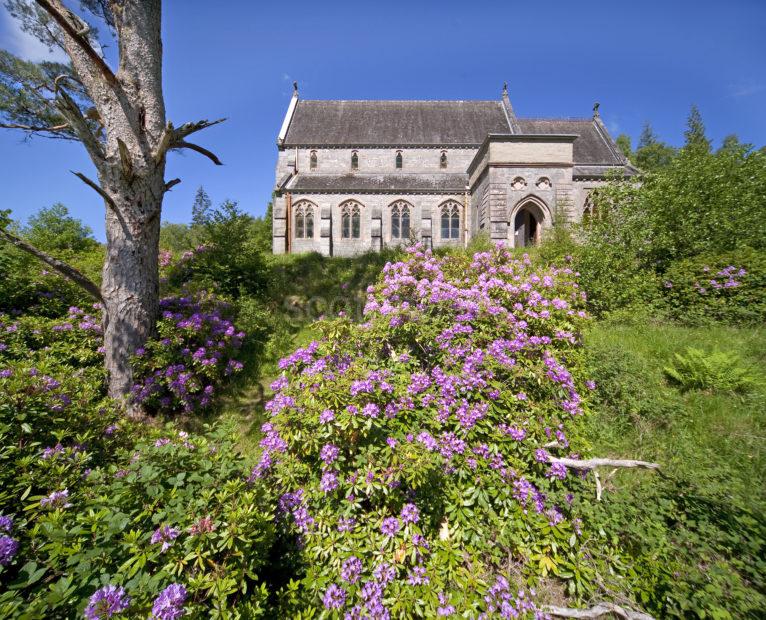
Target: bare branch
[92,184]
[171,183]
[71,112]
[598,462]
[195,147]
[597,611]
[188,129]
[35,128]
[65,270]
[172,136]
[77,35]
[164,143]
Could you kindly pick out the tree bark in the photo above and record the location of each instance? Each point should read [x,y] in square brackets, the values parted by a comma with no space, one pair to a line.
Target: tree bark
[130,282]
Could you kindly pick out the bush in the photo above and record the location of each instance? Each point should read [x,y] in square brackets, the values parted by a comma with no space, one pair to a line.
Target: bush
[174,510]
[409,449]
[728,287]
[717,371]
[191,357]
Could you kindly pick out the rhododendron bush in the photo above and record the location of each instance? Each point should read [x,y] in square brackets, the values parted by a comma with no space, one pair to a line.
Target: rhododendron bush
[415,452]
[192,355]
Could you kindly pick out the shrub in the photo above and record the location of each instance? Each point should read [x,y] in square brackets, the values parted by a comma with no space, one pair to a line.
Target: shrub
[727,287]
[170,523]
[409,449]
[716,371]
[191,357]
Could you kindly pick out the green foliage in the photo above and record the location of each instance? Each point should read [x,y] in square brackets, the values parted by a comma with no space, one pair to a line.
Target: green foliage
[651,154]
[728,287]
[695,131]
[623,143]
[52,229]
[28,285]
[172,509]
[717,371]
[691,541]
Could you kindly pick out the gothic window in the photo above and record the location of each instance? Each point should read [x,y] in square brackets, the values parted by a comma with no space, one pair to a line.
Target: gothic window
[399,160]
[304,220]
[443,160]
[354,160]
[400,220]
[313,160]
[450,220]
[350,220]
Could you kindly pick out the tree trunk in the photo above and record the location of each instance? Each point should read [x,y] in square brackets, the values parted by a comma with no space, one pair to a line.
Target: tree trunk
[130,284]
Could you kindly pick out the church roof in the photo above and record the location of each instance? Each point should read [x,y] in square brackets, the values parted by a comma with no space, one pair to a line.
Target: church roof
[400,183]
[593,144]
[395,123]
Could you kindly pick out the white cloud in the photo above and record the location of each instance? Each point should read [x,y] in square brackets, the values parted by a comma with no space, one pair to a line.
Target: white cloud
[25,45]
[746,89]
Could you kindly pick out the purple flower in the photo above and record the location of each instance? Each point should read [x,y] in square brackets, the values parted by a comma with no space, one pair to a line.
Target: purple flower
[6,523]
[329,481]
[417,576]
[329,453]
[346,524]
[164,441]
[390,526]
[557,471]
[8,549]
[165,535]
[384,573]
[107,601]
[334,597]
[57,499]
[541,456]
[351,569]
[591,385]
[410,513]
[169,604]
[326,416]
[5,373]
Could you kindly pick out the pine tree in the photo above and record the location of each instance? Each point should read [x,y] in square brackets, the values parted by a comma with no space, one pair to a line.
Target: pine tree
[201,206]
[695,131]
[647,136]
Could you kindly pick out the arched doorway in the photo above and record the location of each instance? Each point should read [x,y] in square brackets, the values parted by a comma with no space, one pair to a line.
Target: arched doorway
[527,225]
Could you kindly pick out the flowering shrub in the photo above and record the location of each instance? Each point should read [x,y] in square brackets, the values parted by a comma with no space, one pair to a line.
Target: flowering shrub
[729,287]
[192,355]
[413,451]
[169,527]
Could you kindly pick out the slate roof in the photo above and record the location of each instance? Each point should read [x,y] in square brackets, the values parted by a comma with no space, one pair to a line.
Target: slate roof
[593,146]
[395,123]
[400,183]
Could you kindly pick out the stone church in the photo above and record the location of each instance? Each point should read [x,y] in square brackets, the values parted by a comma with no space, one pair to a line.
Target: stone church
[354,176]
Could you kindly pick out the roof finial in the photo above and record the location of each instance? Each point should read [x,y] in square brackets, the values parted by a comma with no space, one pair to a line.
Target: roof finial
[295,87]
[595,109]
[505,89]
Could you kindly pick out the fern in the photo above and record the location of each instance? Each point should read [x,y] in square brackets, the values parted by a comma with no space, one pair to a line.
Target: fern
[716,371]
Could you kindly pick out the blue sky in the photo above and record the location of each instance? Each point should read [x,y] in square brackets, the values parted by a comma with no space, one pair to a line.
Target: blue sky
[642,60]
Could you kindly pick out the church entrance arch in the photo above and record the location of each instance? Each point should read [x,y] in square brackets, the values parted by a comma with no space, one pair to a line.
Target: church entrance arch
[528,220]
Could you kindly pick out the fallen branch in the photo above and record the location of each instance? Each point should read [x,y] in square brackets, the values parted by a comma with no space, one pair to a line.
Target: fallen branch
[65,270]
[587,464]
[597,611]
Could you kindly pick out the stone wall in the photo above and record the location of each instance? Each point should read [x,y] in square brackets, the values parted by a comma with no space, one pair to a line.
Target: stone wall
[375,229]
[382,160]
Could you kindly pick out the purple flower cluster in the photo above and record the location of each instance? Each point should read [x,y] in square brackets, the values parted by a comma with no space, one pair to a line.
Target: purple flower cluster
[468,398]
[169,604]
[57,499]
[502,601]
[165,534]
[106,602]
[196,335]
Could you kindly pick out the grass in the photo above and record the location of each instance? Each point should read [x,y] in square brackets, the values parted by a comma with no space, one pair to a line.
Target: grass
[695,533]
